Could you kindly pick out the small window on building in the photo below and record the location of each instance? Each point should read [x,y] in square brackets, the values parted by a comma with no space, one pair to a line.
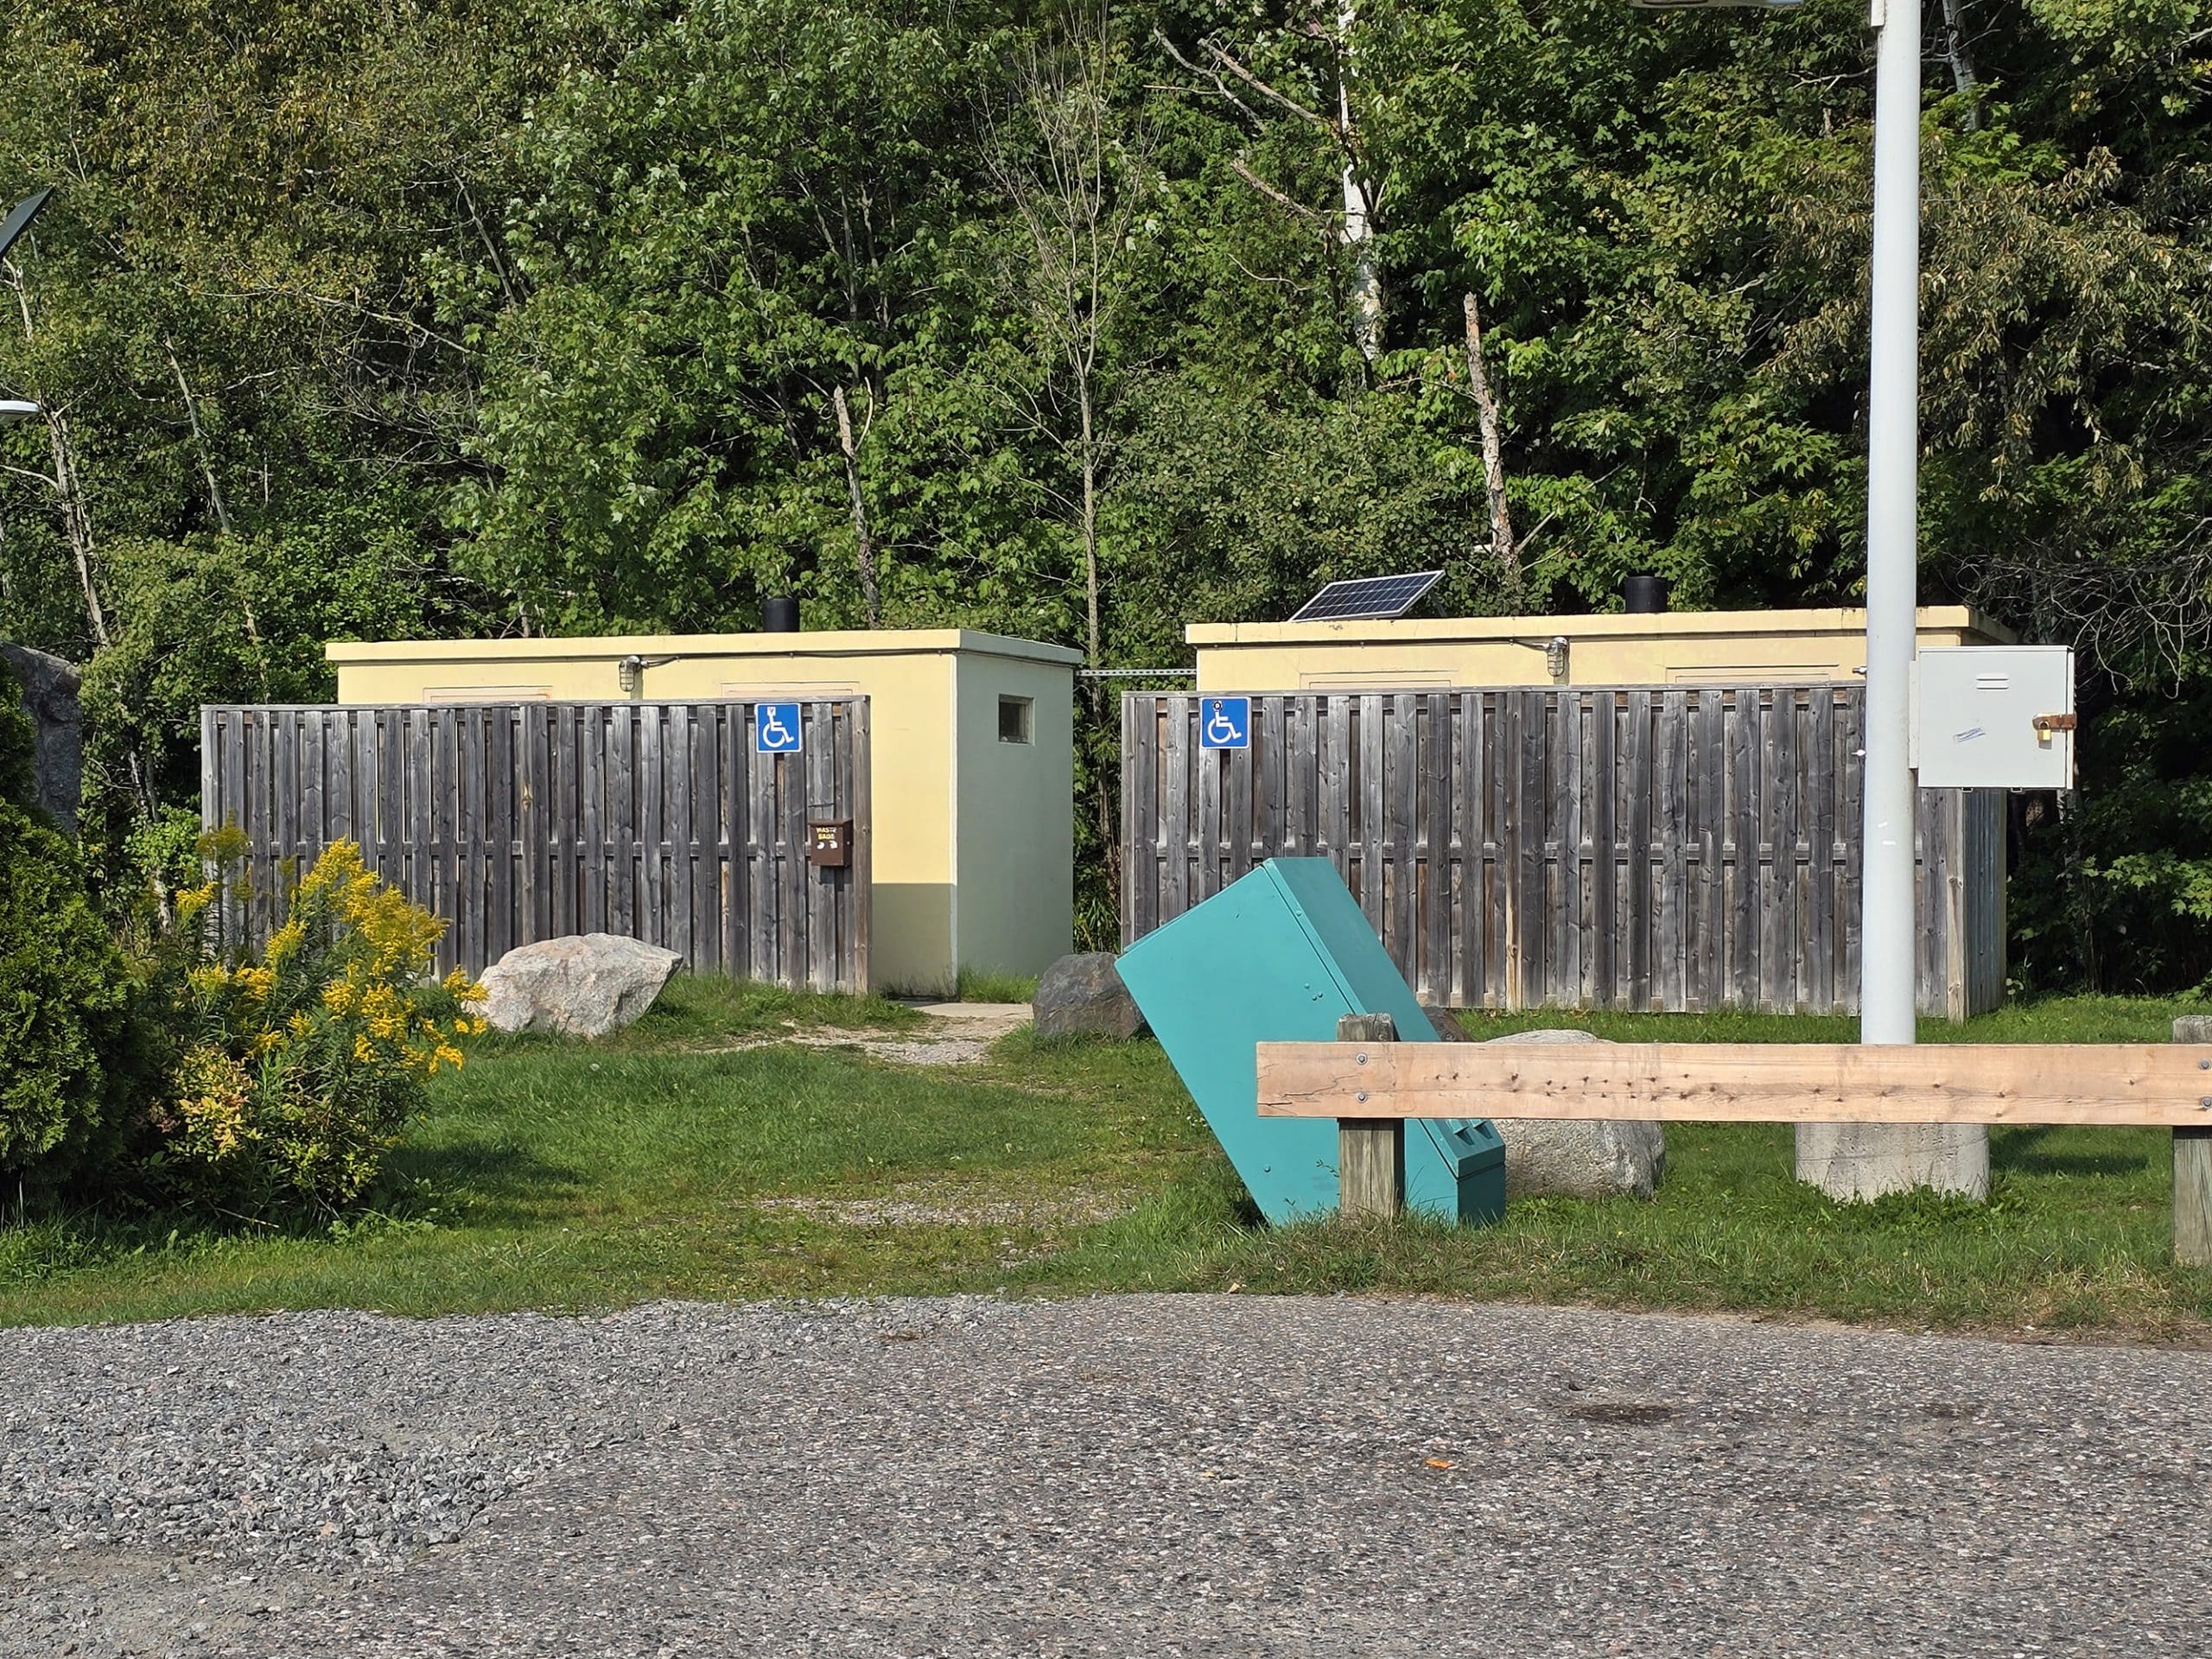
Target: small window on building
[1014,720]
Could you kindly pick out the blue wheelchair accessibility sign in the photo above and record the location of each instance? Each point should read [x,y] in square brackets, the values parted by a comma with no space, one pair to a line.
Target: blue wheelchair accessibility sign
[1225,722]
[775,729]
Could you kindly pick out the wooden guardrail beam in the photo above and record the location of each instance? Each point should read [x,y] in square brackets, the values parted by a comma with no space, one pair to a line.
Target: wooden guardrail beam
[2120,1084]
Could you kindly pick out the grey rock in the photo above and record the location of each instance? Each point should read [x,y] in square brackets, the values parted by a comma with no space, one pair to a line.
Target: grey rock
[50,697]
[1593,1158]
[585,985]
[1083,996]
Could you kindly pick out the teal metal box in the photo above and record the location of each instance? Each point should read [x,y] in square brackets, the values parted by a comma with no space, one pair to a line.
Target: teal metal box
[1277,956]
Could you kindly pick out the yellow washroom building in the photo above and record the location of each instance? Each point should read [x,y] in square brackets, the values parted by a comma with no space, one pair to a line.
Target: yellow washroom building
[971,776]
[1662,648]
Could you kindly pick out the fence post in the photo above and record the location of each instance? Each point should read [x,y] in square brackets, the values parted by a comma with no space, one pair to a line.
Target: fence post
[1370,1151]
[2193,1166]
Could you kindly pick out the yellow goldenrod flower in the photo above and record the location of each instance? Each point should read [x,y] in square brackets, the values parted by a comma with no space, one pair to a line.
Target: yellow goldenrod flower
[193,901]
[284,943]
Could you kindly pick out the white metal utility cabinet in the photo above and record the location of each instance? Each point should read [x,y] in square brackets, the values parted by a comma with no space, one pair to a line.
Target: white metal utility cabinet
[1994,717]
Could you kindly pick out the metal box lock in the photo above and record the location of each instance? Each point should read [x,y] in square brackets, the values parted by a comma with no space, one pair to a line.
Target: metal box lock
[829,842]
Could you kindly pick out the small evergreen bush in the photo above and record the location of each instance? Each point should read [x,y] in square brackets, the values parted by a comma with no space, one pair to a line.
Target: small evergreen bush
[64,990]
[18,747]
[64,1001]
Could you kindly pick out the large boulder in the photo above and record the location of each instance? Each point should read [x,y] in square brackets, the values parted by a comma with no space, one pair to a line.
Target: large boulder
[50,688]
[1083,996]
[583,986]
[1580,1157]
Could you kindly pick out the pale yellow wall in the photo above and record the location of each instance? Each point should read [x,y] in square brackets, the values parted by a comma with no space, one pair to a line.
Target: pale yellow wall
[1015,895]
[1671,649]
[919,810]
[911,823]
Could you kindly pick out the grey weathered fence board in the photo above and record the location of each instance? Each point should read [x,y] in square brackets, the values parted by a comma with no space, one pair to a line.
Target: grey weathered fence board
[1675,849]
[522,822]
[736,836]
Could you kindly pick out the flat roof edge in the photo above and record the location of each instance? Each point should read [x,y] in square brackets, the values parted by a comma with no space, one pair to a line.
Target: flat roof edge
[824,642]
[1607,625]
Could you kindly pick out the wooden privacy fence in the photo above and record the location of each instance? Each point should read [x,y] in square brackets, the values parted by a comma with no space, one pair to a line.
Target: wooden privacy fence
[520,821]
[1675,848]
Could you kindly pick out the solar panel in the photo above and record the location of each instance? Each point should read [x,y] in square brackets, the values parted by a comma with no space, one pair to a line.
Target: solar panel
[1368,599]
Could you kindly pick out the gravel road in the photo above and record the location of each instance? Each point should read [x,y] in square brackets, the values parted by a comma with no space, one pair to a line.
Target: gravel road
[1123,1477]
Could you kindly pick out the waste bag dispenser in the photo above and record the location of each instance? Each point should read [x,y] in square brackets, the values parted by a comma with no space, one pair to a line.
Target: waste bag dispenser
[1278,957]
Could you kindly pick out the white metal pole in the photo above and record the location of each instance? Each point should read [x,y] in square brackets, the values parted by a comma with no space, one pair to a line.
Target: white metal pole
[1863,1161]
[1885,993]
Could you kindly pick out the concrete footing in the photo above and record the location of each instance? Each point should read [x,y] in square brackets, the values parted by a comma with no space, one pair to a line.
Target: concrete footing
[1864,1160]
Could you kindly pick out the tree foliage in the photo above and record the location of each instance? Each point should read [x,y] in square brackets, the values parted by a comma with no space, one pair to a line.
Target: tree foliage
[64,999]
[448,317]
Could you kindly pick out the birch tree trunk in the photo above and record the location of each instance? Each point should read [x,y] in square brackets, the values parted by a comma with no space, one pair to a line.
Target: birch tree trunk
[1092,645]
[863,542]
[77,526]
[1501,522]
[76,523]
[1366,296]
[198,440]
[68,497]
[76,516]
[1955,48]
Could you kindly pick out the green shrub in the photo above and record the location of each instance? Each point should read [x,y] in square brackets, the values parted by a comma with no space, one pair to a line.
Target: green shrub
[64,996]
[18,747]
[297,1066]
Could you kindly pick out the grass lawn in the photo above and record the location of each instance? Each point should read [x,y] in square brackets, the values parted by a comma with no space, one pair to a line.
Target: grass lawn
[977,987]
[690,1156]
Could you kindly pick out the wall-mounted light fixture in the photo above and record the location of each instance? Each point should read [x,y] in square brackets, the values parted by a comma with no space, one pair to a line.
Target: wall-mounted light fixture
[1554,650]
[630,673]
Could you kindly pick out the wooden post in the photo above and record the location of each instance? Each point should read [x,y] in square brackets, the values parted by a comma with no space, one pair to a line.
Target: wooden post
[2193,1166]
[1370,1152]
